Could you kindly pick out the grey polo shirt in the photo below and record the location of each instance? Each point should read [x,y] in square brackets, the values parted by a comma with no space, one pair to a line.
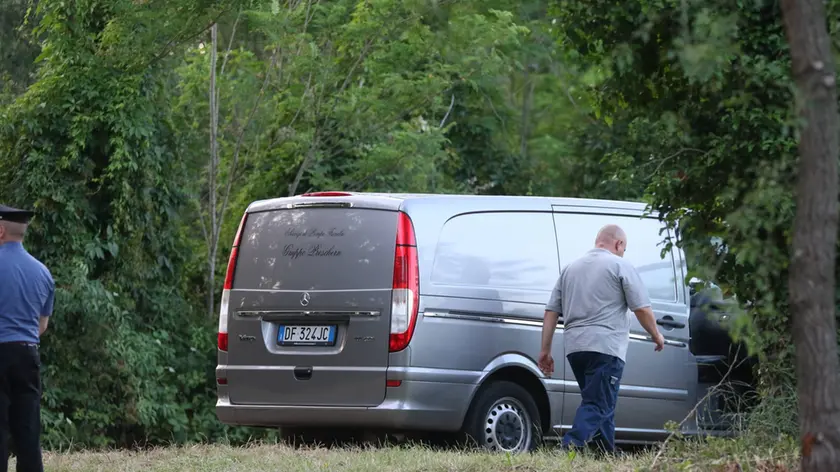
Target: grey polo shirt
[595,295]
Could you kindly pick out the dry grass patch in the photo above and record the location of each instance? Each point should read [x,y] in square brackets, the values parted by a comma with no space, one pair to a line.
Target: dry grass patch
[271,457]
[281,458]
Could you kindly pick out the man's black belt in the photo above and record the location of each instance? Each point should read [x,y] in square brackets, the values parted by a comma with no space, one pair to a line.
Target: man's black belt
[20,343]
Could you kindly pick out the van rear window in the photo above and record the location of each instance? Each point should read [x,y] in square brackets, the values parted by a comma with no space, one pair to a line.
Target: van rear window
[317,249]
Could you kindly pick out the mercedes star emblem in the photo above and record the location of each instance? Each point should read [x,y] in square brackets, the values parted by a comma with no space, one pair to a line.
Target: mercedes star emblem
[304,299]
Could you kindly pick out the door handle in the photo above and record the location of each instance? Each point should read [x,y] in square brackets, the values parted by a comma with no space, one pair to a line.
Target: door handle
[303,373]
[670,322]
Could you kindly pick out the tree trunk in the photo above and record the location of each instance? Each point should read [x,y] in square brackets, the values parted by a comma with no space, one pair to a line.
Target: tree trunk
[527,101]
[812,276]
[213,242]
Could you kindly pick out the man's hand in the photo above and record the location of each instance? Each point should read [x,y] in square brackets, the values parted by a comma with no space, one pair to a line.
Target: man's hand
[659,340]
[648,322]
[546,363]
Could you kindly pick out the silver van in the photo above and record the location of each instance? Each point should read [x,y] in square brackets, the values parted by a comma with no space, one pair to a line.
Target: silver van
[423,313]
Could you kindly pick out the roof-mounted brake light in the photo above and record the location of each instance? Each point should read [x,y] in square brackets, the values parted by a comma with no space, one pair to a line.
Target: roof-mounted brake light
[327,194]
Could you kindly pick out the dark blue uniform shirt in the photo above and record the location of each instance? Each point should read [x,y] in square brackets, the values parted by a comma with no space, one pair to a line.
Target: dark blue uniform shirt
[27,292]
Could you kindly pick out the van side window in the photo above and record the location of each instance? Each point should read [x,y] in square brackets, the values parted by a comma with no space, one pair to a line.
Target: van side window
[501,250]
[576,235]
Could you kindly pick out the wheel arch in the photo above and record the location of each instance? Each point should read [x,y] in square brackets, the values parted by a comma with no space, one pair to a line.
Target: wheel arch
[522,371]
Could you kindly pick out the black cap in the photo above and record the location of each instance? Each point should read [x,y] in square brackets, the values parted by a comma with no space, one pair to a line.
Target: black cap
[15,215]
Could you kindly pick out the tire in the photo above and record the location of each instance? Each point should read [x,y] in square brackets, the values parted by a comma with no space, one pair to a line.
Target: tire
[504,418]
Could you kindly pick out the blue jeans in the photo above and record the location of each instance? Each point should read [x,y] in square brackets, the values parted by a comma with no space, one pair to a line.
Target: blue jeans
[599,377]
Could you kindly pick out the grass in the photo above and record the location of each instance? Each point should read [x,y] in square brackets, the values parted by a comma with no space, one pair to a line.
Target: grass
[720,455]
[764,445]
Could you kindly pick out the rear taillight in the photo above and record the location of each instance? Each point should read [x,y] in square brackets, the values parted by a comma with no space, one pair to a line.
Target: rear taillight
[223,338]
[405,297]
[222,343]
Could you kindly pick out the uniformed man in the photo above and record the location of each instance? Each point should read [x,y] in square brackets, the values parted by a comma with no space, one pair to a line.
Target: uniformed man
[27,293]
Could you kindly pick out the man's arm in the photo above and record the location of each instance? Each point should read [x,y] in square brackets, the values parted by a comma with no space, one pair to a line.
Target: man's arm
[553,311]
[638,301]
[549,326]
[49,303]
[647,320]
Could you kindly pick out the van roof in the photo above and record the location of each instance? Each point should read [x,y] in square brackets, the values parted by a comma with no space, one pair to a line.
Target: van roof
[404,200]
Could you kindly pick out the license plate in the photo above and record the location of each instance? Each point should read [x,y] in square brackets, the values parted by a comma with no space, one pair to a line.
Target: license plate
[306,335]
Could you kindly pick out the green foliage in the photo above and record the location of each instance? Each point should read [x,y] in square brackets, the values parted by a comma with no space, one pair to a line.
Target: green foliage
[90,147]
[684,103]
[698,100]
[109,142]
[17,56]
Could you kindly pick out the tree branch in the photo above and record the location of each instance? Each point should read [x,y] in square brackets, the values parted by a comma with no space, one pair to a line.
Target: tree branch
[214,163]
[662,161]
[230,43]
[241,136]
[451,104]
[693,411]
[310,155]
[176,42]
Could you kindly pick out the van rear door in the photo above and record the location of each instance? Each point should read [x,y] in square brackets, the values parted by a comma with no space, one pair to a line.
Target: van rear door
[310,304]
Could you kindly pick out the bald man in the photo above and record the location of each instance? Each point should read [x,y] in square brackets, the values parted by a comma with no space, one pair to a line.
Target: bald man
[26,303]
[594,295]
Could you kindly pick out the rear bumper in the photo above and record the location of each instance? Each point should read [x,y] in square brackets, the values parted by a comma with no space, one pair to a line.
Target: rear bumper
[413,406]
